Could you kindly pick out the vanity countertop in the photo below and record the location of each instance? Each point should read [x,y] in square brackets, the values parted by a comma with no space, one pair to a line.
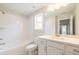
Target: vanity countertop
[68,39]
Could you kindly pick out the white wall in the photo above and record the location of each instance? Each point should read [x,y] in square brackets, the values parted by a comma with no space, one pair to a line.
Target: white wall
[50,25]
[14,28]
[77,19]
[34,33]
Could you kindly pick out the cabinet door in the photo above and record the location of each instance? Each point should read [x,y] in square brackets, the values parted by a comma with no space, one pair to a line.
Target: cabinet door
[42,47]
[53,51]
[69,50]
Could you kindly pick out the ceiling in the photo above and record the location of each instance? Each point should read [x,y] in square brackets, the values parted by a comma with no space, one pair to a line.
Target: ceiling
[21,8]
[28,8]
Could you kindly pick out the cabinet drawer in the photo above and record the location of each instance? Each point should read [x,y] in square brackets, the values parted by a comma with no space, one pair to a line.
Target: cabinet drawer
[53,51]
[55,44]
[72,49]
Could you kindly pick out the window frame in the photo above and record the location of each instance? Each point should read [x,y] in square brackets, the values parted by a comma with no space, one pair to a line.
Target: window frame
[42,24]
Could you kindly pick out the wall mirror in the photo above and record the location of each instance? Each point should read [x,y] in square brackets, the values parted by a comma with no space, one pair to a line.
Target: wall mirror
[66,26]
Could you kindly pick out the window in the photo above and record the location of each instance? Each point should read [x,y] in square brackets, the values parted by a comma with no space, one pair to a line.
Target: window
[39,22]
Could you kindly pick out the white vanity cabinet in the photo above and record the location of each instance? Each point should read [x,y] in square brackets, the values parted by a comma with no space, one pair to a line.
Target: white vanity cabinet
[46,47]
[42,47]
[50,46]
[54,48]
[71,50]
[53,51]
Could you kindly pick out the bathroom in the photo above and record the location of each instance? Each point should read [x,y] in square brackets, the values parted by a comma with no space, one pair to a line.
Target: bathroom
[23,24]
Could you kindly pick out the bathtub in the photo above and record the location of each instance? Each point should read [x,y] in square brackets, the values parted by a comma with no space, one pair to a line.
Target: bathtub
[14,49]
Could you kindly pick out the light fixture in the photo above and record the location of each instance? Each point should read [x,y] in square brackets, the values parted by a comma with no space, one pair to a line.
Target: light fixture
[59,5]
[55,6]
[51,7]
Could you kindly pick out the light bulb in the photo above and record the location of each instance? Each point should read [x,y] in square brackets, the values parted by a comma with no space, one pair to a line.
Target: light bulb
[59,5]
[51,7]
